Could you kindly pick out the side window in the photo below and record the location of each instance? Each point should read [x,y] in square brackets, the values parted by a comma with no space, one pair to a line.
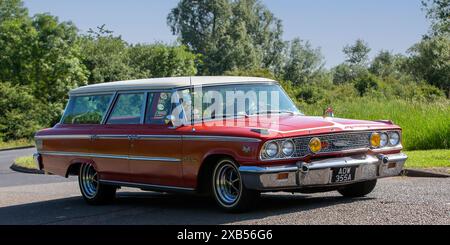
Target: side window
[86,109]
[129,109]
[159,107]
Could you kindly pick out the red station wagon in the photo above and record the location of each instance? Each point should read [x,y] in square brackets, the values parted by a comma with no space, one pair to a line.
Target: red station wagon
[230,137]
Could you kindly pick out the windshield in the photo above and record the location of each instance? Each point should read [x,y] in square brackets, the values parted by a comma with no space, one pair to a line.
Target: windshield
[228,101]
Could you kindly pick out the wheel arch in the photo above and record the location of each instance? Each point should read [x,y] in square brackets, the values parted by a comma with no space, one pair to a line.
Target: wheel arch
[206,169]
[75,165]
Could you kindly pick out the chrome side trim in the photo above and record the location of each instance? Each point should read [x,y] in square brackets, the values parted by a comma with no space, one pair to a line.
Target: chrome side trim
[110,156]
[145,186]
[59,137]
[159,137]
[111,137]
[154,159]
[220,138]
[155,137]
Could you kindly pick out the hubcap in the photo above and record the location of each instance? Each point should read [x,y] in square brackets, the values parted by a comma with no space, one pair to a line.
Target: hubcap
[228,184]
[88,180]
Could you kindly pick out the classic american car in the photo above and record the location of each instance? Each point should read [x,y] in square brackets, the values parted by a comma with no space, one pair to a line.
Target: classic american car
[127,134]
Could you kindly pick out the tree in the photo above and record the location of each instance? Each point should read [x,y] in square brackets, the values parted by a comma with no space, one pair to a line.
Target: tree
[160,60]
[241,34]
[303,62]
[12,9]
[357,54]
[342,74]
[57,67]
[430,61]
[386,64]
[438,11]
[105,56]
[40,53]
[365,82]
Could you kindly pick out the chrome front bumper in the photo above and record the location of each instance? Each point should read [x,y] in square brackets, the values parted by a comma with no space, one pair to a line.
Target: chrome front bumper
[319,173]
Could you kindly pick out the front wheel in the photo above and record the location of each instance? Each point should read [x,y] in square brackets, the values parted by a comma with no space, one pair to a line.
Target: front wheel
[229,191]
[358,189]
[93,192]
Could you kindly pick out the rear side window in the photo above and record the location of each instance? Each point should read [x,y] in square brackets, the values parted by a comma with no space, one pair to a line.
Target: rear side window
[86,109]
[129,109]
[159,107]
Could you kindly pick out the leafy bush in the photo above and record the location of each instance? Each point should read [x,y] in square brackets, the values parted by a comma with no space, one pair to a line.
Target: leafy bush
[19,112]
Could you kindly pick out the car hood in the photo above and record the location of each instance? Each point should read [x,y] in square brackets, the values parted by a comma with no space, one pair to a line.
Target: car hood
[267,127]
[285,126]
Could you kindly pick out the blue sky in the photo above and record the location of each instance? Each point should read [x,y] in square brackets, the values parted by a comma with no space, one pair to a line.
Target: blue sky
[393,25]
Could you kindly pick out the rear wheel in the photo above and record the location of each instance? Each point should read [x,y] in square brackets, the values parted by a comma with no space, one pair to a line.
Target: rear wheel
[358,189]
[229,191]
[93,192]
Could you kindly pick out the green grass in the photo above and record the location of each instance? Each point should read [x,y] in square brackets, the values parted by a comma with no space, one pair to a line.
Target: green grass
[428,159]
[25,162]
[425,126]
[15,143]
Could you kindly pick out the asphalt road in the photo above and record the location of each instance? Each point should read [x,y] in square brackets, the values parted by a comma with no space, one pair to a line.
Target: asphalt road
[10,178]
[38,199]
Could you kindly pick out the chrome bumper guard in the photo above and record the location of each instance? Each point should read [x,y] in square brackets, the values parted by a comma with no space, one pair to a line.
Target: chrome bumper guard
[319,173]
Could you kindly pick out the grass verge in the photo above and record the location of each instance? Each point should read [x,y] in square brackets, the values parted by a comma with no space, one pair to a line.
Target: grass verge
[25,162]
[425,126]
[15,143]
[428,159]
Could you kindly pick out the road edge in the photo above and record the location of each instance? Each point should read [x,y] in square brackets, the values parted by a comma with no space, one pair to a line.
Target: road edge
[423,173]
[17,148]
[20,169]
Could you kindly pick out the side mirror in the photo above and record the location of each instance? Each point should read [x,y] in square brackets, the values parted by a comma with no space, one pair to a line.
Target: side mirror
[170,120]
[329,112]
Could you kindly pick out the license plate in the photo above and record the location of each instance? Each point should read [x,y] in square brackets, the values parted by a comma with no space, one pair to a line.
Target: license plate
[344,174]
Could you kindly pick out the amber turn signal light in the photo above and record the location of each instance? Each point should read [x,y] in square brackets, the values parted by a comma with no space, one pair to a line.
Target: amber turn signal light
[283,176]
[315,145]
[375,140]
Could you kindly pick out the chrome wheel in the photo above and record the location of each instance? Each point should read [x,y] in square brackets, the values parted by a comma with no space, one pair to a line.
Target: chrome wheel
[88,181]
[227,183]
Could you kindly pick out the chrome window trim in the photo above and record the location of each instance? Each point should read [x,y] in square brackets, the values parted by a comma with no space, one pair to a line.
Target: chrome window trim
[227,84]
[110,107]
[113,95]
[111,156]
[116,99]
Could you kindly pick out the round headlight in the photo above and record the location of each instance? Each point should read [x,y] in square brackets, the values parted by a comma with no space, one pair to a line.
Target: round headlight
[315,145]
[394,138]
[271,149]
[384,140]
[288,148]
[375,140]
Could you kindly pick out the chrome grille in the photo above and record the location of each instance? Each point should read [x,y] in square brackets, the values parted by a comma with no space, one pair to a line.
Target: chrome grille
[334,142]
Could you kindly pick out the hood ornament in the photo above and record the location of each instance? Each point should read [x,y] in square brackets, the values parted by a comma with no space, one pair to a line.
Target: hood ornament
[329,112]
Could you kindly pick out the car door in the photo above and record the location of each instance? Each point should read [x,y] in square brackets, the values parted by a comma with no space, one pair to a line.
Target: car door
[112,140]
[156,148]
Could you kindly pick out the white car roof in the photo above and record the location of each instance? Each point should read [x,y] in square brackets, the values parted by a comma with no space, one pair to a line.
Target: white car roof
[166,83]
